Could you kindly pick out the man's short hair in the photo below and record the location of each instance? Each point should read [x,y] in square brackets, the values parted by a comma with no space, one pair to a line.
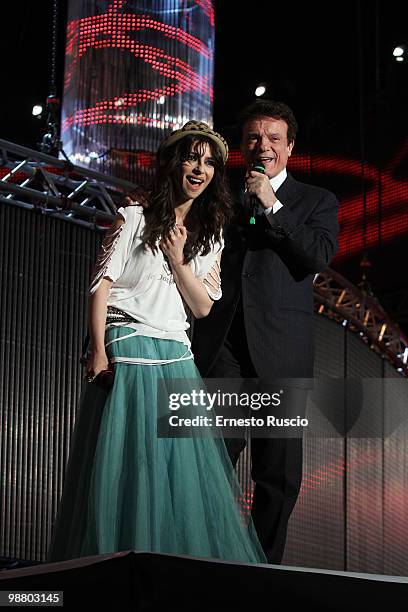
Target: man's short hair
[270,108]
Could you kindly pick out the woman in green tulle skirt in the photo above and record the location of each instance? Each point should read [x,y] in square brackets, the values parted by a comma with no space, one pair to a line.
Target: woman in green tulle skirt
[126,487]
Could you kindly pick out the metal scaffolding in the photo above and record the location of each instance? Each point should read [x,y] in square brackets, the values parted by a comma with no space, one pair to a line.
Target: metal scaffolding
[338,299]
[34,180]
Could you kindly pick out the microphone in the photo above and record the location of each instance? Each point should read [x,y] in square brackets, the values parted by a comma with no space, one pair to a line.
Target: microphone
[258,167]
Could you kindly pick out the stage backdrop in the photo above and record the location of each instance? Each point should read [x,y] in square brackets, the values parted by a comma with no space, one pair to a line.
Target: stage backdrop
[134,71]
[353,509]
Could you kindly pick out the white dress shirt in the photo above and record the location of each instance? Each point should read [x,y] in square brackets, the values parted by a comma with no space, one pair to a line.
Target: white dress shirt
[275,182]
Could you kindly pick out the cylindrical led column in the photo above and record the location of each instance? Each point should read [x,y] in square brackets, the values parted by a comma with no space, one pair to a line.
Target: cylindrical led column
[134,71]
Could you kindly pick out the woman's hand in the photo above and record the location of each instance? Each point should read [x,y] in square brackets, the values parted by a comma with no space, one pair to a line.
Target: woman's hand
[97,362]
[173,245]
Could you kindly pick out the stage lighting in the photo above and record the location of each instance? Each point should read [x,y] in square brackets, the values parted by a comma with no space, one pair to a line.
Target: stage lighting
[37,110]
[400,53]
[260,90]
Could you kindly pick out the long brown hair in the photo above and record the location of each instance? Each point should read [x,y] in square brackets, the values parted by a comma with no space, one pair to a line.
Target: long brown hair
[211,210]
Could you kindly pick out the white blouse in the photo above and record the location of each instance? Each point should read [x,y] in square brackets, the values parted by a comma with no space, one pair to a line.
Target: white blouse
[143,284]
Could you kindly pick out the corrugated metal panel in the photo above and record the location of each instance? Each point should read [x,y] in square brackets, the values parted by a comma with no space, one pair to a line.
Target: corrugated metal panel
[45,266]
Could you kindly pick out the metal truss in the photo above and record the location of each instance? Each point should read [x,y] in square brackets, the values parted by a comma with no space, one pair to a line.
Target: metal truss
[338,299]
[56,187]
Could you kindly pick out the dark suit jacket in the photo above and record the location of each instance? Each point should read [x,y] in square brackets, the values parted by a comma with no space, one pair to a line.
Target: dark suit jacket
[273,267]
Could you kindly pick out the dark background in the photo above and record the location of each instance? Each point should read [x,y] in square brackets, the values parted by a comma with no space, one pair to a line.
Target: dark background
[330,61]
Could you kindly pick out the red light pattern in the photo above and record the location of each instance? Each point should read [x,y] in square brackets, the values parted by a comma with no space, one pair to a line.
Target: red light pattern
[139,158]
[187,80]
[20,176]
[208,9]
[379,213]
[311,481]
[112,30]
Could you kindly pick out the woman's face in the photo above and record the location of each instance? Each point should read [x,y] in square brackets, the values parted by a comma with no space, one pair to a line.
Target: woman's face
[197,171]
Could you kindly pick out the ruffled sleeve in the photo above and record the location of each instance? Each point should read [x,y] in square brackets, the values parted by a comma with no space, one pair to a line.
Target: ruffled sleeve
[116,247]
[212,280]
[208,269]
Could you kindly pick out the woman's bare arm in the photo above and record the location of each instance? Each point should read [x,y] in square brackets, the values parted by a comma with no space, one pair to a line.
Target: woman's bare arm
[98,360]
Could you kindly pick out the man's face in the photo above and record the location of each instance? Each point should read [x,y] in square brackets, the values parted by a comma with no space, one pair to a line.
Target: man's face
[265,139]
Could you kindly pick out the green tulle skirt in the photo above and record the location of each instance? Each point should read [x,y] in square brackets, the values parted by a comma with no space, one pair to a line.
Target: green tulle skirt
[127,489]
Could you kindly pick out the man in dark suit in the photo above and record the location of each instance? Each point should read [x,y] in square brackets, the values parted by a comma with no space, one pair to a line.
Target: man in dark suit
[284,232]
